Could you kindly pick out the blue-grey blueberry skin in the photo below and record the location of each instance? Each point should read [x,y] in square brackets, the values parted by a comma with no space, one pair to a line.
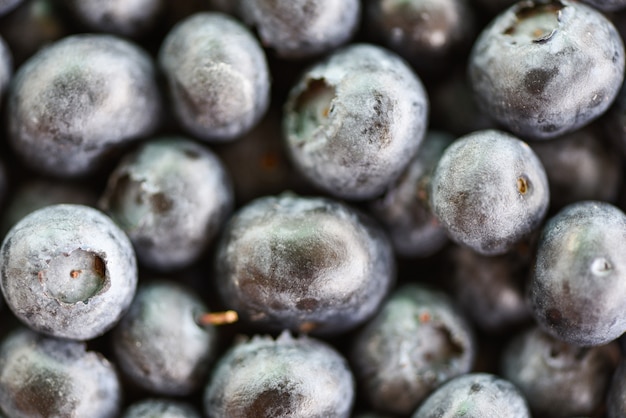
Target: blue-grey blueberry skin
[490,289]
[158,343]
[6,67]
[68,271]
[7,5]
[607,5]
[131,18]
[427,33]
[547,67]
[297,29]
[489,190]
[160,408]
[49,377]
[417,341]
[217,76]
[557,378]
[577,288]
[77,100]
[171,197]
[39,192]
[354,121]
[290,377]
[580,166]
[475,395]
[308,264]
[616,399]
[404,209]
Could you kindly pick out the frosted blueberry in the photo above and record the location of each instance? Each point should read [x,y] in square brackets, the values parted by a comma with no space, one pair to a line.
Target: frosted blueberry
[489,191]
[158,343]
[68,271]
[302,28]
[48,377]
[217,76]
[171,196]
[286,377]
[353,121]
[308,264]
[546,67]
[577,290]
[77,100]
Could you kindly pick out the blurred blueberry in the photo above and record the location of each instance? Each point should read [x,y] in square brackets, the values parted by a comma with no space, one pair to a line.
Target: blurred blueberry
[544,68]
[160,408]
[217,76]
[68,271]
[286,377]
[353,121]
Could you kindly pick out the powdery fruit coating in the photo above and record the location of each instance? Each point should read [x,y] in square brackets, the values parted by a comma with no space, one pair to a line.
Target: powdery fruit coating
[299,29]
[158,343]
[171,196]
[559,379]
[68,271]
[475,395]
[546,67]
[353,121]
[217,76]
[75,101]
[122,17]
[160,408]
[489,191]
[404,209]
[415,343]
[290,377]
[48,377]
[577,290]
[305,264]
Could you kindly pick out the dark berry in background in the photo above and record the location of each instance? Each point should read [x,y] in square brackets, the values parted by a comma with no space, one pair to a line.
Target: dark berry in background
[48,377]
[489,190]
[578,287]
[74,102]
[308,264]
[171,196]
[417,341]
[297,29]
[68,271]
[353,121]
[286,377]
[543,68]
[160,408]
[217,76]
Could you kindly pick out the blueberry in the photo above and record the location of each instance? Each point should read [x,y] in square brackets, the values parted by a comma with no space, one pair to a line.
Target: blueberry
[607,5]
[616,399]
[404,209]
[305,264]
[158,343]
[429,34]
[170,196]
[415,343]
[489,191]
[475,395]
[546,67]
[48,377]
[302,28]
[353,121]
[6,67]
[160,408]
[577,288]
[75,101]
[7,5]
[559,379]
[580,166]
[490,289]
[217,76]
[68,271]
[286,377]
[126,18]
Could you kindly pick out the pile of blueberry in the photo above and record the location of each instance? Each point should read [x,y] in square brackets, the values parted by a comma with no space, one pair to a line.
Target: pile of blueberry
[312,208]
